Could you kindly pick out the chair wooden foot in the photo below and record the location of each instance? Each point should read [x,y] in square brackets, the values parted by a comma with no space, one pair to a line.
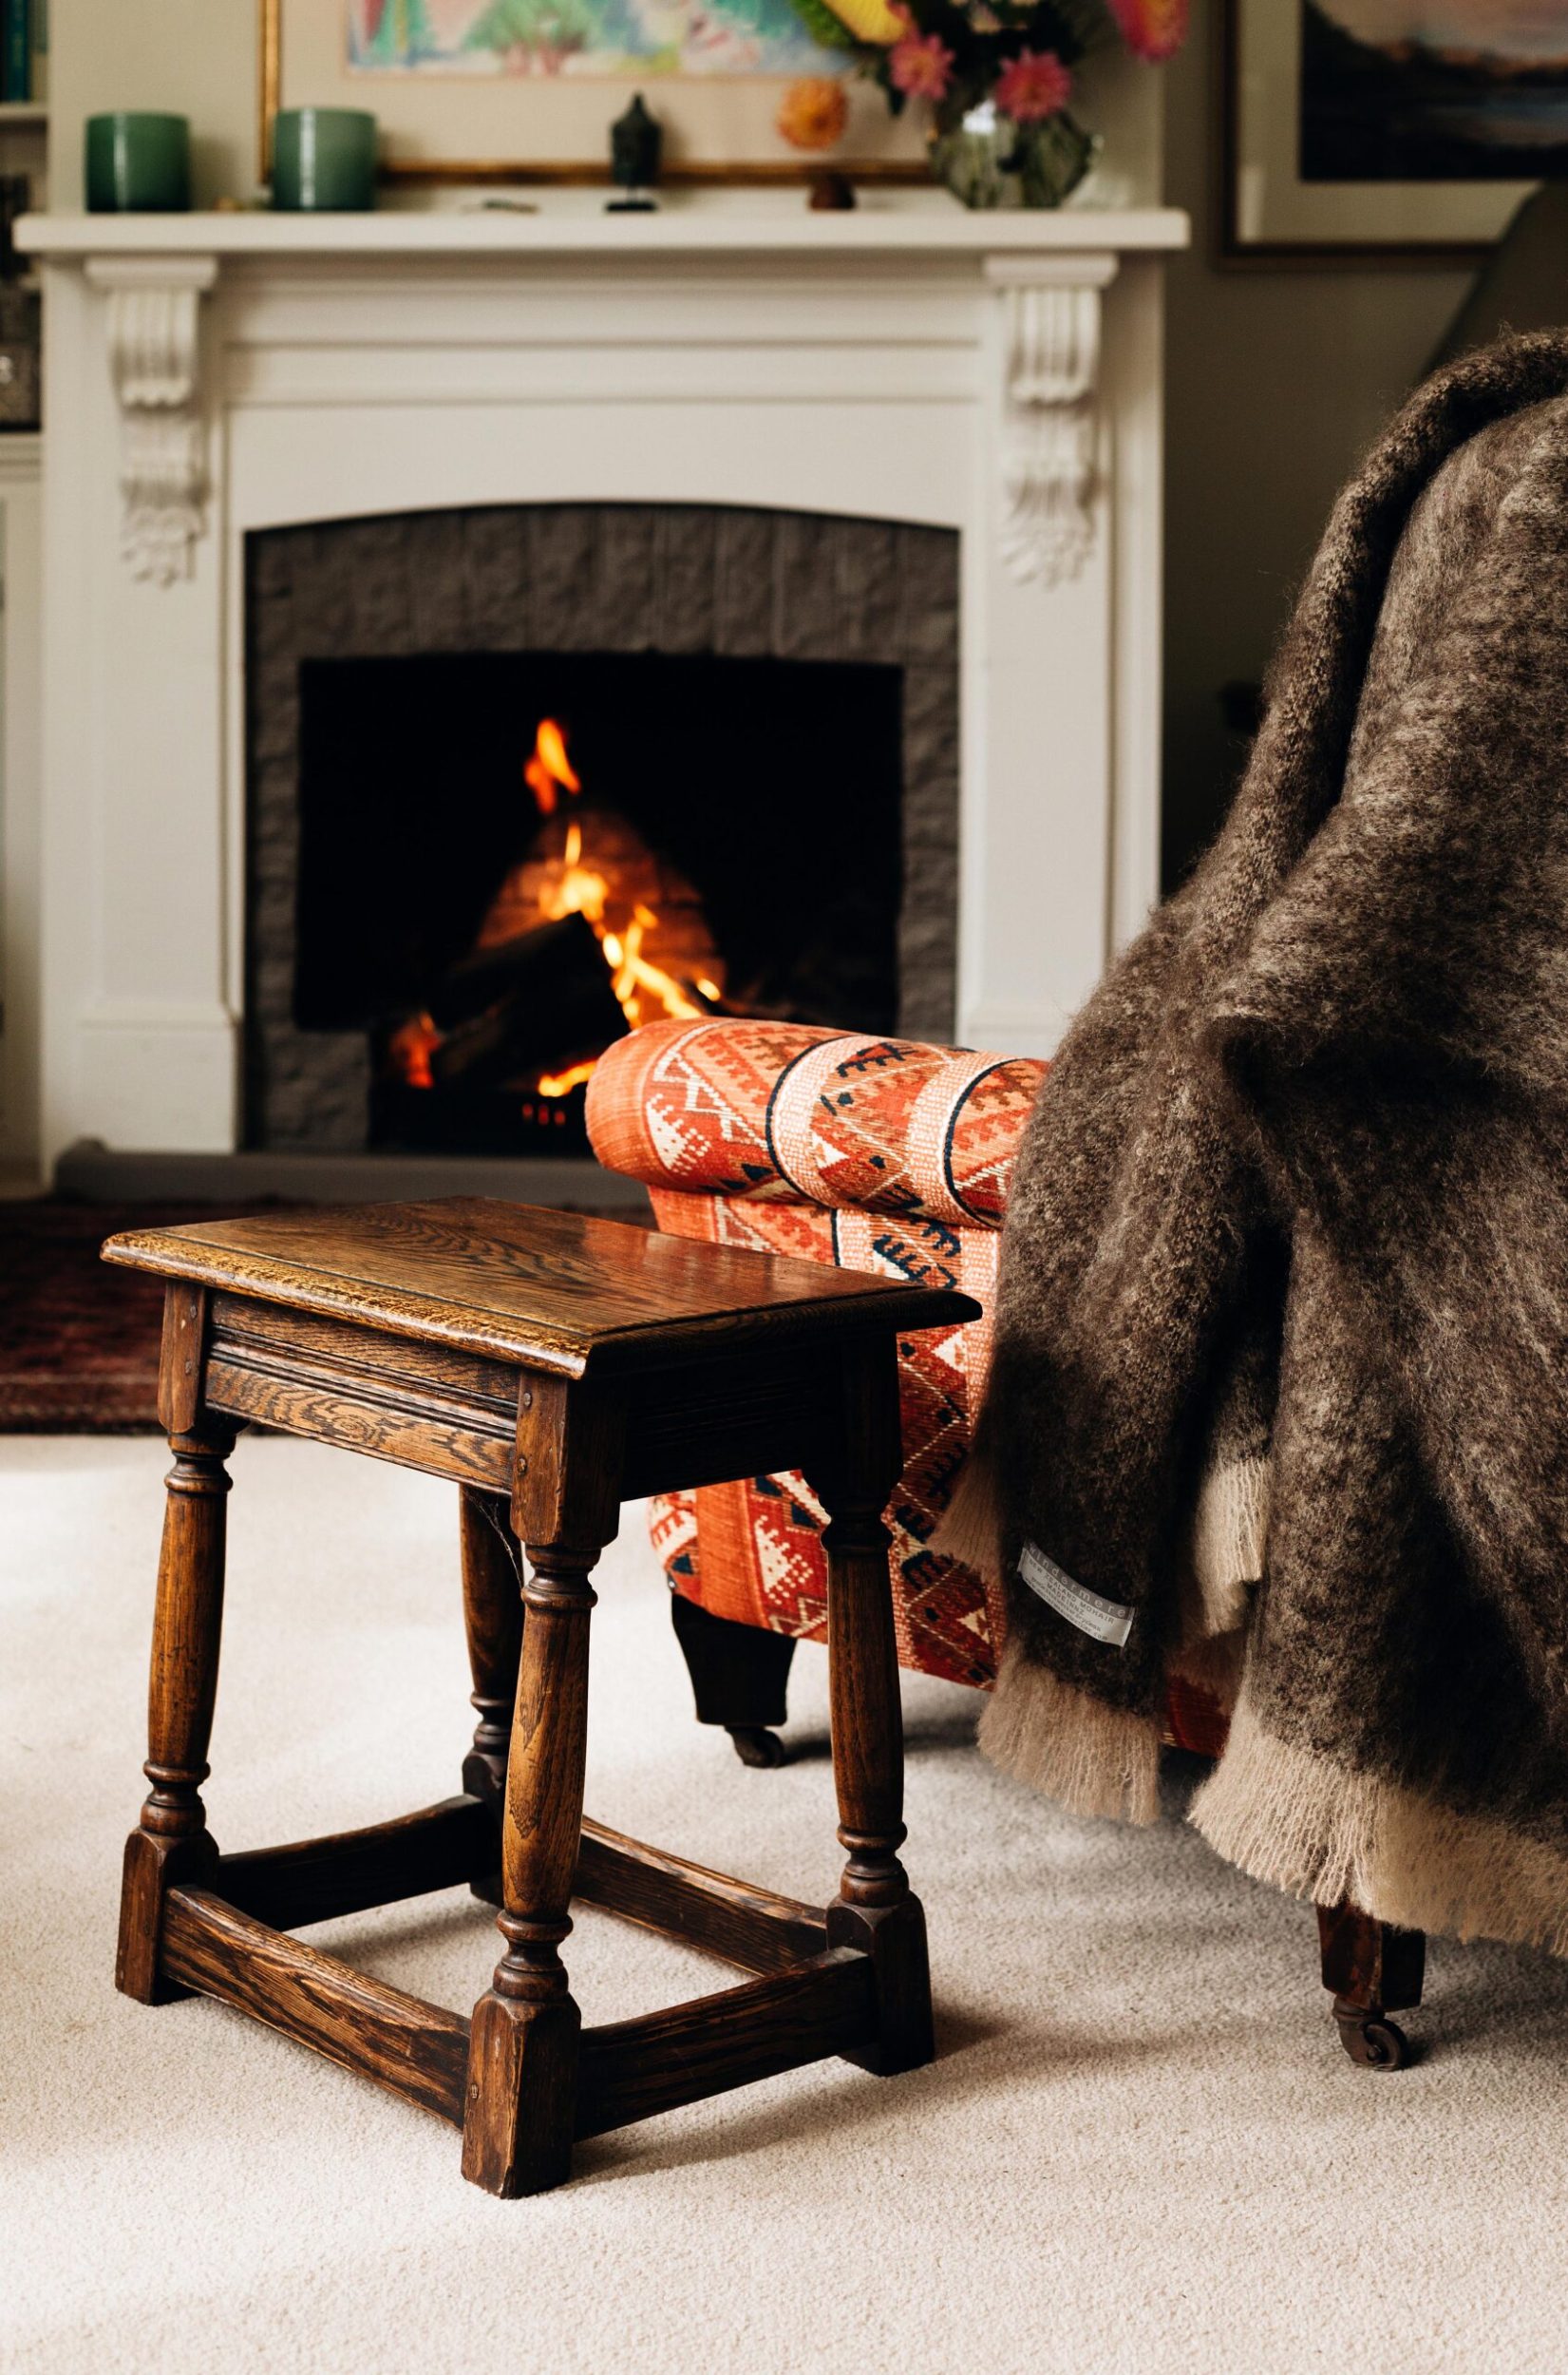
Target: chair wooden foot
[1372,1970]
[740,1677]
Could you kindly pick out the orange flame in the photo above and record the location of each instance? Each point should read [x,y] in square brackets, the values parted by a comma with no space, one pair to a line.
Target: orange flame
[560,1083]
[580,890]
[549,771]
[634,975]
[573,885]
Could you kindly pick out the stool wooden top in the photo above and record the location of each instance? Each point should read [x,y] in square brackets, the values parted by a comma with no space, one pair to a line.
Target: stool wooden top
[550,1290]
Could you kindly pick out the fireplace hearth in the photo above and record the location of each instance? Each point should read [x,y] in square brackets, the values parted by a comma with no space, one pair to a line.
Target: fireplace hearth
[523,779]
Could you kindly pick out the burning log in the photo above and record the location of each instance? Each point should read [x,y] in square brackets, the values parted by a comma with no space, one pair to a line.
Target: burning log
[589,936]
[528,964]
[554,998]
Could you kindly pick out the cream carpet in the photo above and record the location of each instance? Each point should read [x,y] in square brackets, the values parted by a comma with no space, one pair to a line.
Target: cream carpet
[1141,2149]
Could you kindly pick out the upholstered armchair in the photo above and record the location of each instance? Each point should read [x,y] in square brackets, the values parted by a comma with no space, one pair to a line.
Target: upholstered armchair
[879,1154]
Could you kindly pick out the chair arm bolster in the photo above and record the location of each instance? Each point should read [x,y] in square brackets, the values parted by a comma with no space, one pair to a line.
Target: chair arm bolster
[790,1111]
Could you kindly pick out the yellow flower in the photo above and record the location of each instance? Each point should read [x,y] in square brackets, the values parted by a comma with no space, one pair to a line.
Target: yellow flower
[873,21]
[813,112]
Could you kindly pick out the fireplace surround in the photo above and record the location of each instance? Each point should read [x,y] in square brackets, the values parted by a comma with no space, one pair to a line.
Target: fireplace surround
[771,698]
[211,380]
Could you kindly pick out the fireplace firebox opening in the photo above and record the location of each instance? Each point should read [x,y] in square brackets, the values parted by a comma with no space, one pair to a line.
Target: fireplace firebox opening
[508,859]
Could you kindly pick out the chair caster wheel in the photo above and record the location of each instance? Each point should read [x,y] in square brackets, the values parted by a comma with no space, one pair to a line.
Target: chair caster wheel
[755,1745]
[1375,2045]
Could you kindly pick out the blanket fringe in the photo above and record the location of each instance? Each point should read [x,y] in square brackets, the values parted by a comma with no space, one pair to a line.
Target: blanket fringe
[1091,1759]
[1323,1830]
[971,1530]
[1230,1528]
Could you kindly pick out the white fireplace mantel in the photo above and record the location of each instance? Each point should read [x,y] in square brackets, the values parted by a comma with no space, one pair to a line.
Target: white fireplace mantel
[211,375]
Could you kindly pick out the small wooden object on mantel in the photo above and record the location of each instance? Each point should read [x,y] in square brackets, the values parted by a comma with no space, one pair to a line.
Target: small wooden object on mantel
[553,1367]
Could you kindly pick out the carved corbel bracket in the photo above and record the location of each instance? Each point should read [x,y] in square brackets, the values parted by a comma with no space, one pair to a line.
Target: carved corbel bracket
[1051,369]
[154,361]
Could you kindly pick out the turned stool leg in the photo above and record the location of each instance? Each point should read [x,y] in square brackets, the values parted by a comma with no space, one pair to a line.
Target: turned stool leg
[173,1842]
[1371,1969]
[875,1909]
[523,2061]
[492,1612]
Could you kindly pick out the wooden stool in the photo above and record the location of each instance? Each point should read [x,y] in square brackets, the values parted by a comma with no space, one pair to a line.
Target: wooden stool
[554,1367]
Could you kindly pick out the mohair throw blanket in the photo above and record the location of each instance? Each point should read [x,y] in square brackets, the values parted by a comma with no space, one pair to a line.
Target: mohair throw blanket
[1280,1385]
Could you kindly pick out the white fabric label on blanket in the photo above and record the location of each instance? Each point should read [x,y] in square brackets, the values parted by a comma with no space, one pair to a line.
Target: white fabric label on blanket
[1102,1620]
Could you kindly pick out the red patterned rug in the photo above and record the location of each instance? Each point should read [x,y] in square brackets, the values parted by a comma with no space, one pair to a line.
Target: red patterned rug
[78,1340]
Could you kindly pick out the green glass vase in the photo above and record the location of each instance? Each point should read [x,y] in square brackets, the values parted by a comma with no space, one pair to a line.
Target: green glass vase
[324,161]
[986,160]
[138,164]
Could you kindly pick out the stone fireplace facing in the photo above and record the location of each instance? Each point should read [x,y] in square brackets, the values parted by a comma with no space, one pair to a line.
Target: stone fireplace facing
[751,610]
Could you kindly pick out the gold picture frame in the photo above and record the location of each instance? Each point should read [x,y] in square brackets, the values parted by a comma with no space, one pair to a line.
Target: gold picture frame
[886,152]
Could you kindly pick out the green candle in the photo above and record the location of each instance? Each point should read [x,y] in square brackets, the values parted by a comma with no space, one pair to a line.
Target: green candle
[138,164]
[324,159]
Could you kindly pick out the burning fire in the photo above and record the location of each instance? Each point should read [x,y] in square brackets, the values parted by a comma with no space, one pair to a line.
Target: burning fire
[645,991]
[595,865]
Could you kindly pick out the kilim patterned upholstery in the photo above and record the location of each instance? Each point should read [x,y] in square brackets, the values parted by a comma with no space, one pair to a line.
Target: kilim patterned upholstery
[878,1154]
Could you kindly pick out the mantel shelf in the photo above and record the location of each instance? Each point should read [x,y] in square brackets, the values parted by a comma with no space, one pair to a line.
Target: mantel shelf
[575,223]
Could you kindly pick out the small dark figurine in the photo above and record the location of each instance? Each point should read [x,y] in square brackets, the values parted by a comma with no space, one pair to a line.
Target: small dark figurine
[635,140]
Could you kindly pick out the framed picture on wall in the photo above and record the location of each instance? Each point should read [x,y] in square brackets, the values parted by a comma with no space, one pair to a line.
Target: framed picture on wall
[1367,130]
[527,90]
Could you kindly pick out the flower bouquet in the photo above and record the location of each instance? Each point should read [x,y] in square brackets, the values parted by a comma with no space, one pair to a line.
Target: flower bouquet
[998,77]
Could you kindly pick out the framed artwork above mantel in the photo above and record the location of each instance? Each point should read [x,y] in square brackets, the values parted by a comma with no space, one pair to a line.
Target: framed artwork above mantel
[498,92]
[1371,132]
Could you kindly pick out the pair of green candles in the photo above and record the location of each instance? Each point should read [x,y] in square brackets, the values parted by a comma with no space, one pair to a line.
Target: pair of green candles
[324,162]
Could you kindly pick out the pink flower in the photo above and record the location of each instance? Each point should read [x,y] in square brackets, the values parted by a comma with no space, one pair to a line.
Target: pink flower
[921,66]
[1151,28]
[1032,86]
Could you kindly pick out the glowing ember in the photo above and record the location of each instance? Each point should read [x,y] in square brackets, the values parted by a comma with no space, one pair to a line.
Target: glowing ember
[410,1048]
